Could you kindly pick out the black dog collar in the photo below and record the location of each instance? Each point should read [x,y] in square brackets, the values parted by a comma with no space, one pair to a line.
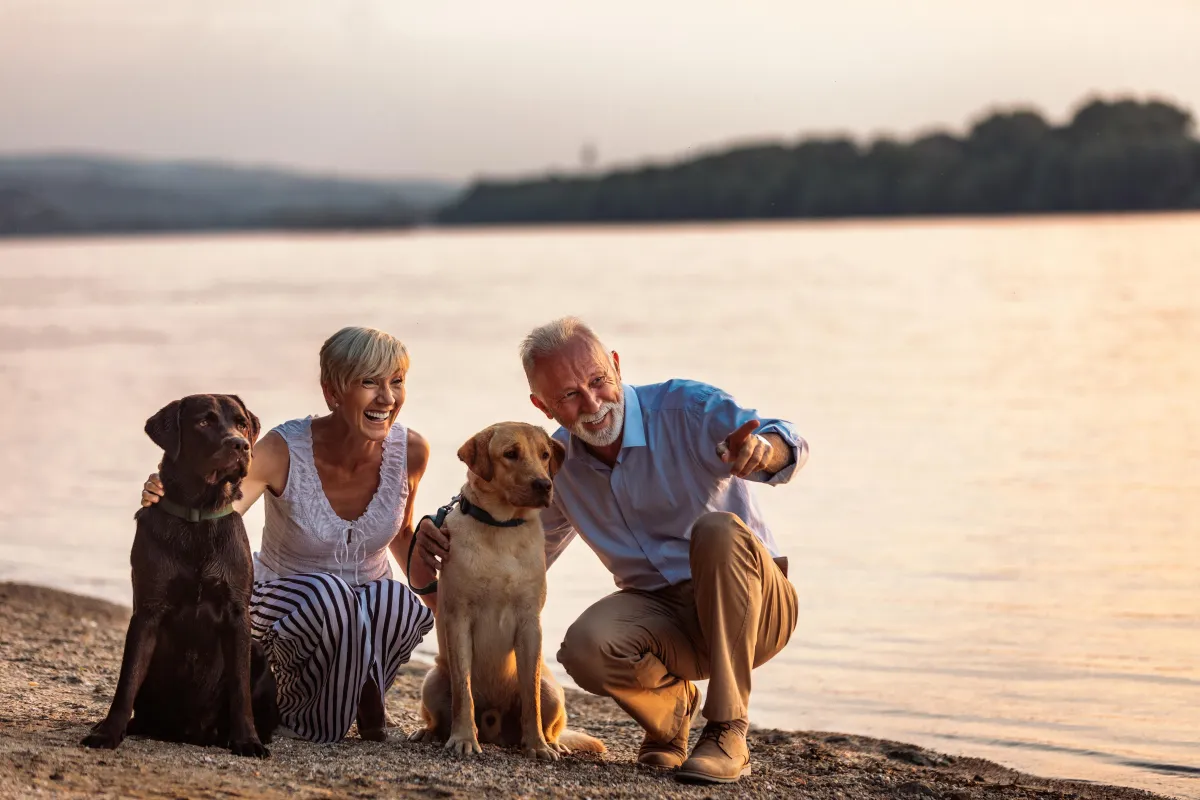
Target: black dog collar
[466,507]
[475,512]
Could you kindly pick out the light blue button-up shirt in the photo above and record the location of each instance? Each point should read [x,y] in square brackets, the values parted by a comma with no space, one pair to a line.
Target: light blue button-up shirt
[638,515]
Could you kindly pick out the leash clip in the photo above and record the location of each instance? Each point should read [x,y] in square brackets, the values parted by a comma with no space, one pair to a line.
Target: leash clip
[437,519]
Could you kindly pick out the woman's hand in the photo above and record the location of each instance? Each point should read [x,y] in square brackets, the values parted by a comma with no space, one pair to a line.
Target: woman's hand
[152,490]
[433,544]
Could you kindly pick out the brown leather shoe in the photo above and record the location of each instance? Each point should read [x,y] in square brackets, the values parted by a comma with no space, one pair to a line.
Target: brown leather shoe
[669,755]
[721,755]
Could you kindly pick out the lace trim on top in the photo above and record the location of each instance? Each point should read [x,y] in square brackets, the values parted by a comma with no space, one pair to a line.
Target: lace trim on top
[311,511]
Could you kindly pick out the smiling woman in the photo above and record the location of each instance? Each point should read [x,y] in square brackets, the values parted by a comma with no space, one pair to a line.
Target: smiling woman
[339,493]
[355,363]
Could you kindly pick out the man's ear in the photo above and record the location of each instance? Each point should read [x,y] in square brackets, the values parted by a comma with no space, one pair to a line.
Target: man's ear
[616,359]
[474,453]
[533,398]
[254,424]
[558,454]
[163,429]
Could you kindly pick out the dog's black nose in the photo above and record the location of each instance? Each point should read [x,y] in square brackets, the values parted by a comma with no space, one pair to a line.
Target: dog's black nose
[542,486]
[238,443]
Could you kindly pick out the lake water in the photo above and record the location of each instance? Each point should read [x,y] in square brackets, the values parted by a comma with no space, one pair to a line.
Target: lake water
[994,541]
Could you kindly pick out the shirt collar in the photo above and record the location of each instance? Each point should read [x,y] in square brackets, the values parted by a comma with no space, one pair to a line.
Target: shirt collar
[634,434]
[635,428]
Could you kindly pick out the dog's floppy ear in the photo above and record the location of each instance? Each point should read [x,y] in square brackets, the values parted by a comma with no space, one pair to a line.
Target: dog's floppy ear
[474,453]
[558,454]
[255,427]
[163,429]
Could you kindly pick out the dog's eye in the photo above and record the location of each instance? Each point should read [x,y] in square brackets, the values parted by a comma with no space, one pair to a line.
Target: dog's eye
[545,456]
[510,454]
[241,426]
[203,423]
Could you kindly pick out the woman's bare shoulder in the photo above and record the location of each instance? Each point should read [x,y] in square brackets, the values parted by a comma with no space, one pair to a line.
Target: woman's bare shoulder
[271,461]
[271,444]
[418,453]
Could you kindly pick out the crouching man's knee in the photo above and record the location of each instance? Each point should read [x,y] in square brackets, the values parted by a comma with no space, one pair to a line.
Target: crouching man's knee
[717,536]
[582,655]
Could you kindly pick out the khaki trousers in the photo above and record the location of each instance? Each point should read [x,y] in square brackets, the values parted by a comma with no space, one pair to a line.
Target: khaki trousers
[642,648]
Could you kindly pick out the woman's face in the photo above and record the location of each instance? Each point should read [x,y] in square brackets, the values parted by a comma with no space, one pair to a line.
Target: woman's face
[371,405]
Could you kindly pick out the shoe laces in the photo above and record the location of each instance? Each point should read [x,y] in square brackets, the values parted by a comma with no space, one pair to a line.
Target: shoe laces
[715,731]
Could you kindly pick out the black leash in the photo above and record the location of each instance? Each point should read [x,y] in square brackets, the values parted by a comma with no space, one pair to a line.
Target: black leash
[437,520]
[468,508]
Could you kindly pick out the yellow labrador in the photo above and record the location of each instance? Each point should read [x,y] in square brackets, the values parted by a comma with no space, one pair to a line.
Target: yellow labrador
[488,681]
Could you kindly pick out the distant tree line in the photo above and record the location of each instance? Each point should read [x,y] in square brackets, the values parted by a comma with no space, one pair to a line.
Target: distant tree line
[1111,156]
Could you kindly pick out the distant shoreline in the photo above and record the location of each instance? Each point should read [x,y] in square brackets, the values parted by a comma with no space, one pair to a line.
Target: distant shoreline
[417,228]
[1112,156]
[1119,155]
[61,654]
[73,194]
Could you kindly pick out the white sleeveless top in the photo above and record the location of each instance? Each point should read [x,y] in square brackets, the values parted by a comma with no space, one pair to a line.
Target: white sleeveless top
[303,534]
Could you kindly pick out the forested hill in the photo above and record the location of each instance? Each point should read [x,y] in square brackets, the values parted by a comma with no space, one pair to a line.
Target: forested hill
[63,194]
[1111,156]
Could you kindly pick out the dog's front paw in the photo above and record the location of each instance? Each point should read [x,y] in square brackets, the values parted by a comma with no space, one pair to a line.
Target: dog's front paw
[249,748]
[103,737]
[560,748]
[540,751]
[424,735]
[463,745]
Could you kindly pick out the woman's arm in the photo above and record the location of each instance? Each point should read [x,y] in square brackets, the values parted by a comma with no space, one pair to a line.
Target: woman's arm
[418,460]
[268,470]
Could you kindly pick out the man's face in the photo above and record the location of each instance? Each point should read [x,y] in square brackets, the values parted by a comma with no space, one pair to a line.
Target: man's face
[579,387]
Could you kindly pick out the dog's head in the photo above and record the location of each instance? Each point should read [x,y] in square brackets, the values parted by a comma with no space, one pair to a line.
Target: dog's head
[517,462]
[209,435]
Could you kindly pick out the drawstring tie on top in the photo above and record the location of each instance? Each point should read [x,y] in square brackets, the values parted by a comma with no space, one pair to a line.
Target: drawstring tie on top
[347,550]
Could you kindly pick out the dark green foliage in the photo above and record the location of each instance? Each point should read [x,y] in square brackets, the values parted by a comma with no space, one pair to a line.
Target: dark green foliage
[1111,156]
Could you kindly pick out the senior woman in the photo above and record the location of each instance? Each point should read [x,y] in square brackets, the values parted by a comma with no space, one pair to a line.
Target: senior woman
[339,491]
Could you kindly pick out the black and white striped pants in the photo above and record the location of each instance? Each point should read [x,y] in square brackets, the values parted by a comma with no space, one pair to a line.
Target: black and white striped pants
[324,638]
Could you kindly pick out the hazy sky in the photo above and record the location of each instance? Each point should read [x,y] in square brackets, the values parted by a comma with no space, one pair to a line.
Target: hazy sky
[454,89]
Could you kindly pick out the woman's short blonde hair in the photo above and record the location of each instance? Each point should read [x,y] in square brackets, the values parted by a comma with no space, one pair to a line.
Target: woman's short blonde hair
[355,354]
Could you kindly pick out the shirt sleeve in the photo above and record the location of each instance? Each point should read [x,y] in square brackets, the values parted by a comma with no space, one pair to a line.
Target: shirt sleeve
[559,532]
[715,414]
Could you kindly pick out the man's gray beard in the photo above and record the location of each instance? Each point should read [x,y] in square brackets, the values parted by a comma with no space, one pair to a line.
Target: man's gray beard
[608,435]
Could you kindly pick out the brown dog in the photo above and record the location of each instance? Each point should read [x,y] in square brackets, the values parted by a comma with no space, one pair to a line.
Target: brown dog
[488,676]
[189,664]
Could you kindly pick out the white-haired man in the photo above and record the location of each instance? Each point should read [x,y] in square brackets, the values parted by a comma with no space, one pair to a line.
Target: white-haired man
[655,482]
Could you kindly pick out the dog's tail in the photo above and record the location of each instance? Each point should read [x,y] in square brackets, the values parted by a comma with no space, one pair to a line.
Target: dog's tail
[580,742]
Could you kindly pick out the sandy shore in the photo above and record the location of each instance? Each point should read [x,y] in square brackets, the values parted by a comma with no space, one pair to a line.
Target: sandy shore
[60,655]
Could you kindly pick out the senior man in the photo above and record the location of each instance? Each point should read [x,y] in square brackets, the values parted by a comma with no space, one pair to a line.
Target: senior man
[655,481]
